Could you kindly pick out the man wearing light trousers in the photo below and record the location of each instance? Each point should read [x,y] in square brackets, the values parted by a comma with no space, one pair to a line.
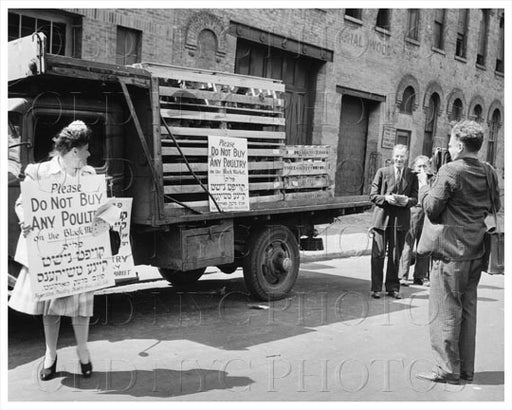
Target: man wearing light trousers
[455,206]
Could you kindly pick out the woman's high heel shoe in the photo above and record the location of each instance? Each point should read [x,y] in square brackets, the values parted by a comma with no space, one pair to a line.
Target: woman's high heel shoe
[47,373]
[86,369]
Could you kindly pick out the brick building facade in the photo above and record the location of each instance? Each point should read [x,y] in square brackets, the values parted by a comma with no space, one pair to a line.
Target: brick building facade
[360,80]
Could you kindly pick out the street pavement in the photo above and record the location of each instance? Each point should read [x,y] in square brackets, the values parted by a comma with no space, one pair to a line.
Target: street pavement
[328,341]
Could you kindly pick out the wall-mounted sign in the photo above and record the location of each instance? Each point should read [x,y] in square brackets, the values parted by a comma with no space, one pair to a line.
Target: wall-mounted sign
[388,136]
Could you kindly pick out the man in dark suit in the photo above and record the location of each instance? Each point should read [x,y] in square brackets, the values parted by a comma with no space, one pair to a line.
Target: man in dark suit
[394,191]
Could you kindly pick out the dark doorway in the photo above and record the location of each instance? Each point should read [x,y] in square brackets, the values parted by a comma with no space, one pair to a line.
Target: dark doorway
[299,76]
[352,145]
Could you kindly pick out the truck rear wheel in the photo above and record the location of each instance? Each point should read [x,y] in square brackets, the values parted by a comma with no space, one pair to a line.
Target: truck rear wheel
[272,265]
[180,278]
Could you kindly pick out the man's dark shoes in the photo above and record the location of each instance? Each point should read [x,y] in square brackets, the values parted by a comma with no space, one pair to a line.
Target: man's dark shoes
[418,282]
[466,377]
[47,373]
[436,378]
[376,295]
[395,294]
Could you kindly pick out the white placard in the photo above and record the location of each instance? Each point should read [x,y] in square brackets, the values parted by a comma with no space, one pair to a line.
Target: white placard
[122,262]
[228,173]
[64,258]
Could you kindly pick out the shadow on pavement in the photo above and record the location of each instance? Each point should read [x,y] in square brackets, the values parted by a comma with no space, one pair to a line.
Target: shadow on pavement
[217,313]
[156,383]
[489,378]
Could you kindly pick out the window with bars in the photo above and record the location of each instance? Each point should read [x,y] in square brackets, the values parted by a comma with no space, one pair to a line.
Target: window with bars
[55,29]
[439,29]
[493,136]
[431,124]
[413,21]
[482,37]
[462,32]
[354,13]
[500,66]
[408,100]
[457,108]
[128,48]
[477,113]
[384,19]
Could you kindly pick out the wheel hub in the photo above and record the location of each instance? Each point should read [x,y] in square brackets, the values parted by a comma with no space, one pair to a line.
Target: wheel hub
[277,263]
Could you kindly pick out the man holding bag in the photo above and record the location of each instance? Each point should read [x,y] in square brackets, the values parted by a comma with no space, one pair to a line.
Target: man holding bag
[455,206]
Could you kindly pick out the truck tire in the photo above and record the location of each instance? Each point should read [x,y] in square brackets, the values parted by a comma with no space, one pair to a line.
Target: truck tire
[180,278]
[272,265]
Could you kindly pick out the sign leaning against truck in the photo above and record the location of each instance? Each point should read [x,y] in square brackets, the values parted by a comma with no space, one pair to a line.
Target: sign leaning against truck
[228,173]
[64,258]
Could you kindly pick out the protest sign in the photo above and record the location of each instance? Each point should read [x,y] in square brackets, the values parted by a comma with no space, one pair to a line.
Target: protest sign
[228,173]
[64,258]
[122,262]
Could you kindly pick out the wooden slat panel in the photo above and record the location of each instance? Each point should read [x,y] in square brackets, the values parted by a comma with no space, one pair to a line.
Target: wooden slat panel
[309,196]
[190,189]
[204,178]
[185,131]
[203,205]
[199,108]
[203,167]
[202,141]
[305,168]
[306,151]
[214,116]
[203,152]
[306,181]
[222,96]
[205,76]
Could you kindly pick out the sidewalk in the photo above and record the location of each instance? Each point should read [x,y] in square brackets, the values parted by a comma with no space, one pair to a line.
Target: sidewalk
[348,236]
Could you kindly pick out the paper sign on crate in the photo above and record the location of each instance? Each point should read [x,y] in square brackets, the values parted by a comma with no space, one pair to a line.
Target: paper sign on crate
[64,257]
[228,173]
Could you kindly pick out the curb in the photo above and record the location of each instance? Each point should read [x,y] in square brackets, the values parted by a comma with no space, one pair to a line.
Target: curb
[334,255]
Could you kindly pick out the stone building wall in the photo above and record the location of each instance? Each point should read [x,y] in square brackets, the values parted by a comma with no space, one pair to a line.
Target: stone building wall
[366,59]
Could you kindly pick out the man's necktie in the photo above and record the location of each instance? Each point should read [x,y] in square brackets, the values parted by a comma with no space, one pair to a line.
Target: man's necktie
[399,181]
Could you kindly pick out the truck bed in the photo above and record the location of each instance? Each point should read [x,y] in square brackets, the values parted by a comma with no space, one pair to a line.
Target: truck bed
[338,205]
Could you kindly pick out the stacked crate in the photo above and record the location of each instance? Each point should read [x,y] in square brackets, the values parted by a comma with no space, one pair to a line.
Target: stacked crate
[308,172]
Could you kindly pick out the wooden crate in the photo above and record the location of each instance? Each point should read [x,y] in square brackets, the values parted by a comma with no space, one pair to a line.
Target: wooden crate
[308,172]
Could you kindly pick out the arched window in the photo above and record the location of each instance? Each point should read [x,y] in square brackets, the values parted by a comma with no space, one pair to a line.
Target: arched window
[384,19]
[431,123]
[206,45]
[456,113]
[493,136]
[477,113]
[408,100]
